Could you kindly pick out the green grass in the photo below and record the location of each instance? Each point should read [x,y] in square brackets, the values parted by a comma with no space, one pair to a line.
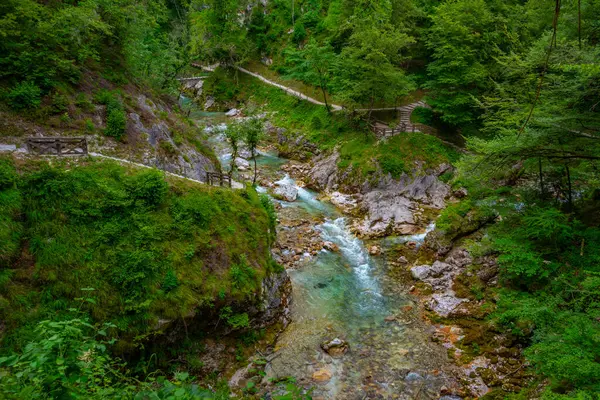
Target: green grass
[149,248]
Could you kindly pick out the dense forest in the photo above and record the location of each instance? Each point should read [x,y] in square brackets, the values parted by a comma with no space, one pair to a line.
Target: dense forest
[513,89]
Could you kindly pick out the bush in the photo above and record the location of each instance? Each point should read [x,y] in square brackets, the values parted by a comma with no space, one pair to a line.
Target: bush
[115,123]
[8,174]
[392,165]
[149,187]
[116,119]
[25,95]
[60,103]
[299,33]
[170,282]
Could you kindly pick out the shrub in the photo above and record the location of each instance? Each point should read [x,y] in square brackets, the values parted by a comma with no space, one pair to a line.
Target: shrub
[60,103]
[168,147]
[8,173]
[299,33]
[149,187]
[116,119]
[25,95]
[392,165]
[115,123]
[270,209]
[236,321]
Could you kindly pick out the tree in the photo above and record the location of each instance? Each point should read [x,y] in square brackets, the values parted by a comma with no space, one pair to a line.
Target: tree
[217,33]
[556,137]
[464,39]
[314,65]
[368,70]
[252,133]
[233,133]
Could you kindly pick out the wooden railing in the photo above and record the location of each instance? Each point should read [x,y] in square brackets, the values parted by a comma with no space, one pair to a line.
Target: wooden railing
[217,179]
[386,131]
[58,146]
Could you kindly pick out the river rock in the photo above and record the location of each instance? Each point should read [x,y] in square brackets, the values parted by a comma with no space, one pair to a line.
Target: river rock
[374,250]
[335,348]
[242,164]
[322,375]
[210,101]
[285,191]
[460,193]
[331,246]
[234,112]
[444,303]
[345,202]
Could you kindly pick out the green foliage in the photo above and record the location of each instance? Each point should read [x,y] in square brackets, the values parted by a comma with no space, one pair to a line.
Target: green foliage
[236,321]
[299,33]
[25,95]
[51,44]
[170,281]
[555,301]
[267,204]
[243,276]
[116,119]
[11,228]
[148,247]
[69,359]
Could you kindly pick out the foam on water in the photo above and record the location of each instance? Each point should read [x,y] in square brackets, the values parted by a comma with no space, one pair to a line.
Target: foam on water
[355,254]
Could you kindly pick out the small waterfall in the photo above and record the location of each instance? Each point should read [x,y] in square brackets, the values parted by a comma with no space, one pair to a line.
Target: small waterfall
[354,252]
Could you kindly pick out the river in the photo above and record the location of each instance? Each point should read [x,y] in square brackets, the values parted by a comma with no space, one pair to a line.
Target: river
[351,295]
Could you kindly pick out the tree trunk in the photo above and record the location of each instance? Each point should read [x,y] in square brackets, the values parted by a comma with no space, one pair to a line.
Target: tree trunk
[325,99]
[369,116]
[570,208]
[541,178]
[254,157]
[233,157]
[579,21]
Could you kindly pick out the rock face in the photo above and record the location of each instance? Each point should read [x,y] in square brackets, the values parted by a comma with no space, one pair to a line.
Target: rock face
[393,207]
[285,191]
[183,160]
[296,147]
[345,202]
[323,174]
[389,206]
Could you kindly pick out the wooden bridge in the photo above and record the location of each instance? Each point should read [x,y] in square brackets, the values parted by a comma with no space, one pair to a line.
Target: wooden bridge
[58,146]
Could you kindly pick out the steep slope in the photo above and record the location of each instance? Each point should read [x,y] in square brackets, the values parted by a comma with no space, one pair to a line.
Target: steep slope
[148,255]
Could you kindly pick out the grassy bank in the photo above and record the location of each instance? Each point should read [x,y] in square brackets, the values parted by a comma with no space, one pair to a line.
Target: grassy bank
[124,246]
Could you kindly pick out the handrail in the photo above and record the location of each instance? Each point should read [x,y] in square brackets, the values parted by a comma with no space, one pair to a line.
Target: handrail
[58,146]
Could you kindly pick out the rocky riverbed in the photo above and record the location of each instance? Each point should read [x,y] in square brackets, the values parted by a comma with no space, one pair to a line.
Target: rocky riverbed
[379,310]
